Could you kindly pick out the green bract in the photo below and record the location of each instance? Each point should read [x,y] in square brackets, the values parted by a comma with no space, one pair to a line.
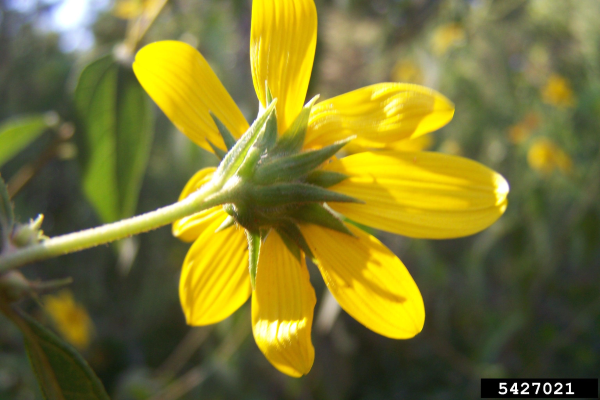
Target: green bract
[271,184]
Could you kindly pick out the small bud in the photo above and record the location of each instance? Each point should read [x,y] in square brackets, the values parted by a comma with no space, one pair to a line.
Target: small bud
[28,234]
[14,286]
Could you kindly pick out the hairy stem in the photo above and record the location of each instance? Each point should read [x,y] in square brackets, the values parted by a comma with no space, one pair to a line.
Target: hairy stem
[85,239]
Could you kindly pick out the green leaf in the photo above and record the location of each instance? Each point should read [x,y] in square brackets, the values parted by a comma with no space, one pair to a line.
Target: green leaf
[95,99]
[60,370]
[295,166]
[16,133]
[117,120]
[135,133]
[254,243]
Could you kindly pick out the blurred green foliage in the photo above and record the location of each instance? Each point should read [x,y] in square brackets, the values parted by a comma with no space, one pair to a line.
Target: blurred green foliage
[69,376]
[517,300]
[116,117]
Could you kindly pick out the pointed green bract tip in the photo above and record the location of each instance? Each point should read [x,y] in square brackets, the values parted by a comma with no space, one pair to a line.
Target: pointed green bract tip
[254,244]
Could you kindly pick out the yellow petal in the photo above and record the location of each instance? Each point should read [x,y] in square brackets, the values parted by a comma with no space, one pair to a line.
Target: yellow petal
[282,50]
[184,86]
[378,114]
[189,228]
[282,309]
[420,143]
[368,281]
[422,194]
[214,280]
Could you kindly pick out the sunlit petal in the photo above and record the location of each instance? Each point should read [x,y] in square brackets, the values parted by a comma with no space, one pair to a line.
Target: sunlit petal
[368,281]
[282,51]
[378,114]
[215,280]
[422,194]
[189,228]
[185,87]
[282,309]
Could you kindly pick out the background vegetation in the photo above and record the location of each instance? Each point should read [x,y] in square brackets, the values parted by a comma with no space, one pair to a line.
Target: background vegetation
[517,300]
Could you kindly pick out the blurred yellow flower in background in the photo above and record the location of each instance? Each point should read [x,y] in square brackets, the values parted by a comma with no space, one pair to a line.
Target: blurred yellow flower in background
[407,71]
[522,130]
[413,193]
[545,156]
[70,318]
[451,146]
[447,36]
[131,9]
[558,92]
[140,15]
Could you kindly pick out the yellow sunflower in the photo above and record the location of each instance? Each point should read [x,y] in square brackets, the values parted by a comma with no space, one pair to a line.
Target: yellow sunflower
[558,92]
[417,194]
[545,156]
[70,318]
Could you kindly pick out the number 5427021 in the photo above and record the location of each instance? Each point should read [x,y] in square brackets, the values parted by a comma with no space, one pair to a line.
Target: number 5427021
[546,388]
[539,388]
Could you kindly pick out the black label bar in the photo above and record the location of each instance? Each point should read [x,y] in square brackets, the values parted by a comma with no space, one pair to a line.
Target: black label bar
[539,388]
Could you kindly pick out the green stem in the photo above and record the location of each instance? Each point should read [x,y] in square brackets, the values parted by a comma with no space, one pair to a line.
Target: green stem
[85,239]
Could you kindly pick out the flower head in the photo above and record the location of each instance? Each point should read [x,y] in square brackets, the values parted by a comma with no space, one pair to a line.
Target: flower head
[446,37]
[407,71]
[522,130]
[558,92]
[291,197]
[70,318]
[545,156]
